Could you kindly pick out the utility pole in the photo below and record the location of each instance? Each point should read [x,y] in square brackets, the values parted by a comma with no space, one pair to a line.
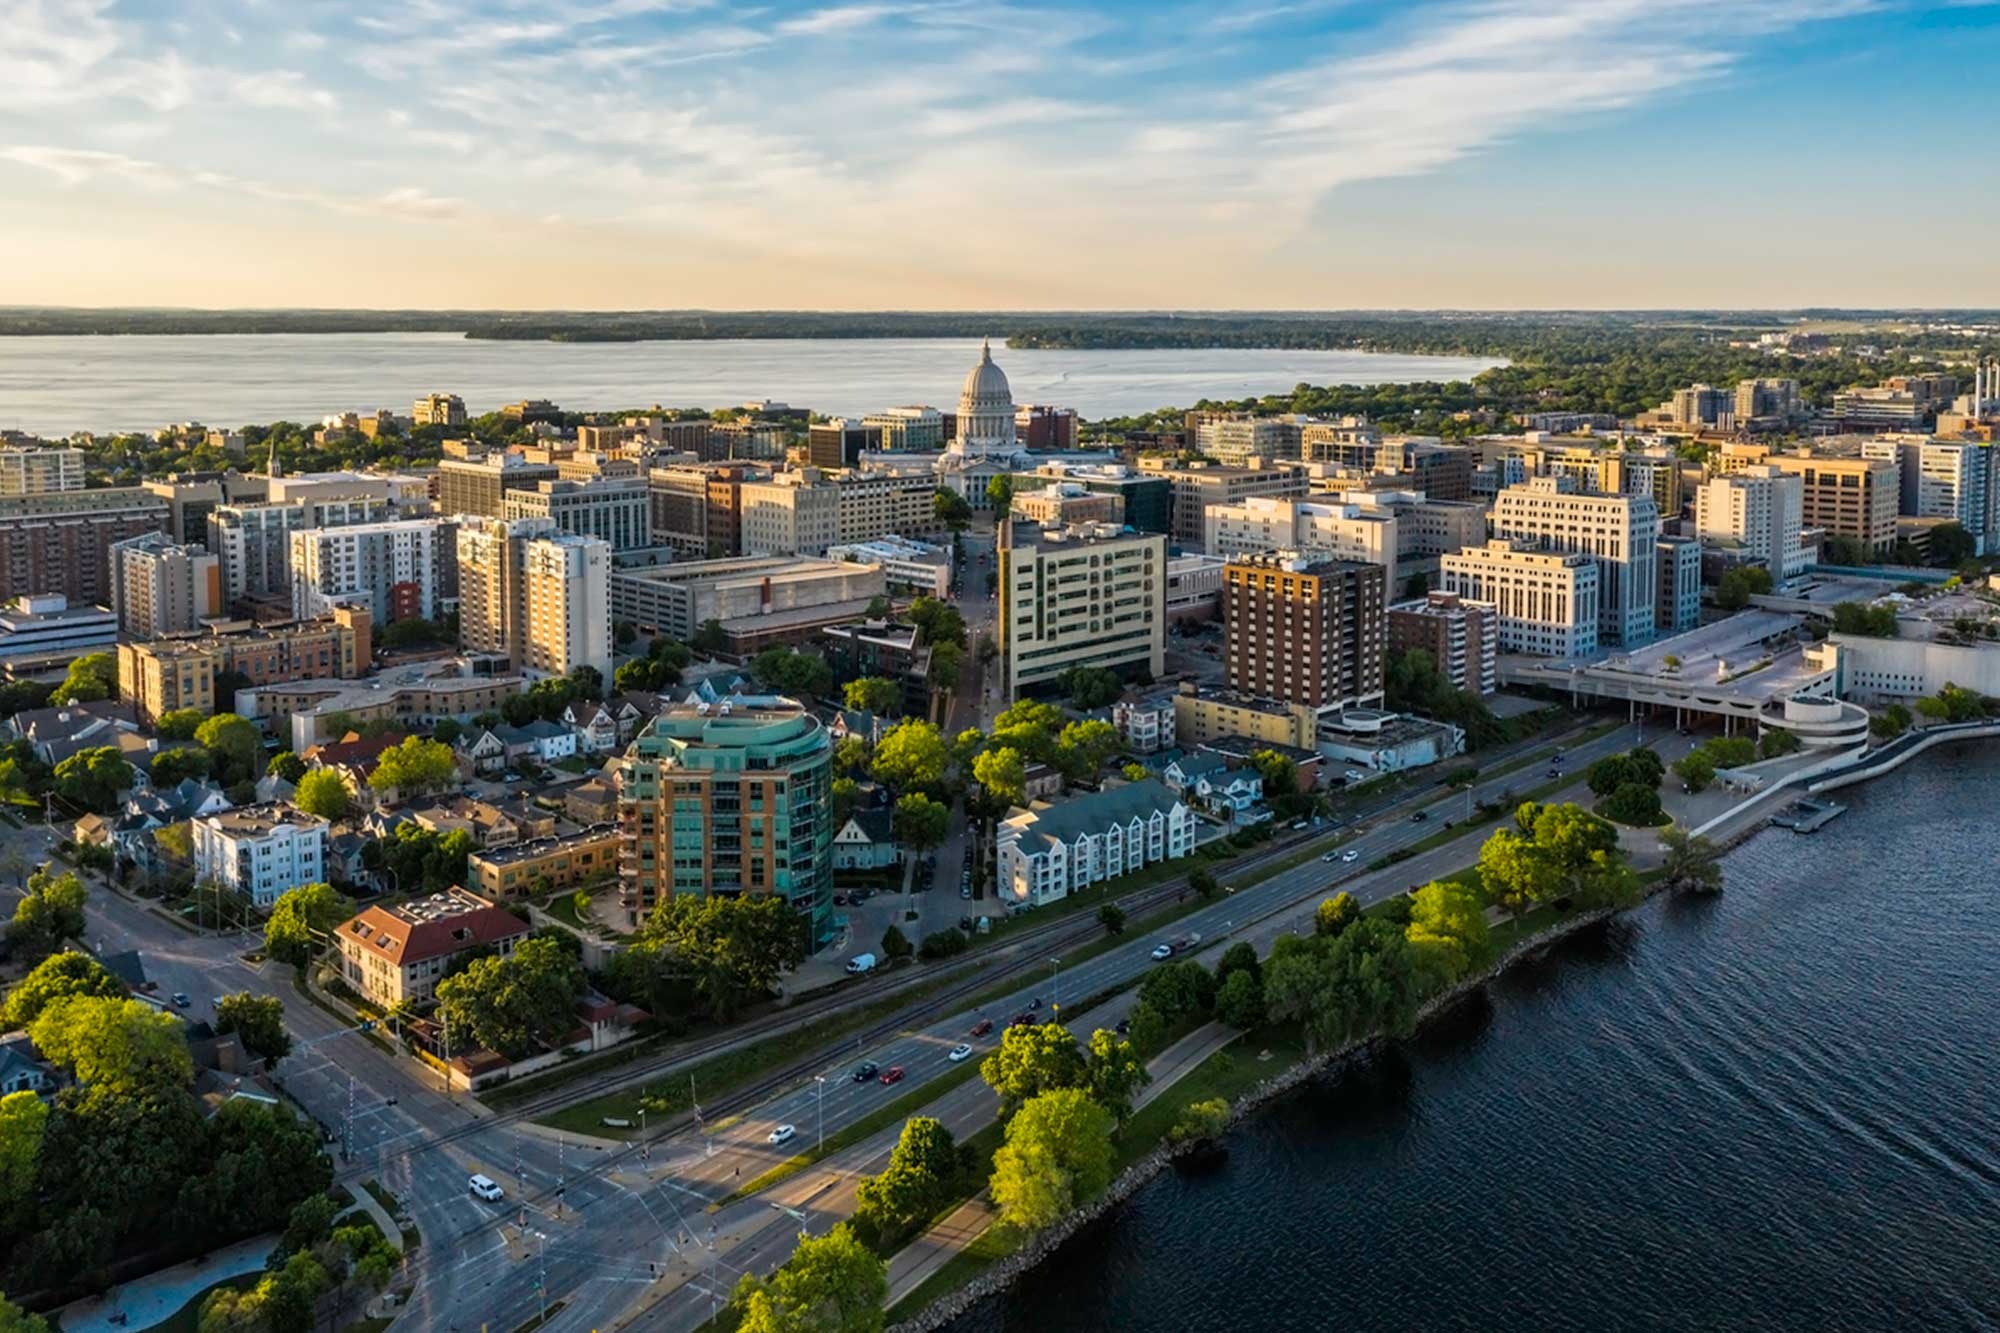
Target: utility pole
[542,1281]
[645,1144]
[347,1132]
[559,1175]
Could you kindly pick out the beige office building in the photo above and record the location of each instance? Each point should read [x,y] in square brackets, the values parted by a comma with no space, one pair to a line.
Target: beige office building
[1546,601]
[1847,497]
[1200,485]
[1088,595]
[39,471]
[1319,531]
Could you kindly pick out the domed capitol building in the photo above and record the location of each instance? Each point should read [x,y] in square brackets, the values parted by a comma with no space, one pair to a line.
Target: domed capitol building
[985,445]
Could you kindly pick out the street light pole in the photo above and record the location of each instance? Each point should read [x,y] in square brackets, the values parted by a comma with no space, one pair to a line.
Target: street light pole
[821,1080]
[1055,989]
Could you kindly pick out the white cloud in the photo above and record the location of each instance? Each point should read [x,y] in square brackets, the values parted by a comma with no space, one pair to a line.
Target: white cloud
[838,19]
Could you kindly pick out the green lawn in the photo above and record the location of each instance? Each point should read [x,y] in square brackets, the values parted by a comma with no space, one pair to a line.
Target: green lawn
[988,1247]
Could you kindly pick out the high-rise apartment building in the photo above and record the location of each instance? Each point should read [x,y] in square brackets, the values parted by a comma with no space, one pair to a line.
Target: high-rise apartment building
[1943,479]
[159,587]
[168,674]
[1546,601]
[1855,498]
[438,409]
[1304,631]
[1620,532]
[490,591]
[613,509]
[1756,513]
[397,570]
[1090,595]
[1677,605]
[254,541]
[677,500]
[730,798]
[840,442]
[60,541]
[1767,404]
[1316,530]
[478,485]
[1044,429]
[39,471]
[1200,485]
[566,605]
[1461,636]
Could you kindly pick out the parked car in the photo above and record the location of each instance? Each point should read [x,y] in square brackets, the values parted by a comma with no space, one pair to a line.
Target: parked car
[982,1027]
[867,1070]
[485,1187]
[1162,952]
[861,962]
[959,1052]
[1329,857]
[840,900]
[181,1000]
[782,1134]
[893,1074]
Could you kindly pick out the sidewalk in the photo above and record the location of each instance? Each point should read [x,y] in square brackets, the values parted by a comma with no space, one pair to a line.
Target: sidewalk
[931,1251]
[158,1296]
[372,1206]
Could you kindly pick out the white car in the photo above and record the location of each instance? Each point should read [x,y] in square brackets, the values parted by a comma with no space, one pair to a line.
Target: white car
[1350,855]
[1163,951]
[960,1052]
[485,1187]
[782,1134]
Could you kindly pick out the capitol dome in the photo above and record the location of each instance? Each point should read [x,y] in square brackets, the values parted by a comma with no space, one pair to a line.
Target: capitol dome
[985,408]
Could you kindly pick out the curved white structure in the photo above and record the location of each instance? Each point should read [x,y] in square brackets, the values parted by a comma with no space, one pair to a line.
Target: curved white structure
[1819,723]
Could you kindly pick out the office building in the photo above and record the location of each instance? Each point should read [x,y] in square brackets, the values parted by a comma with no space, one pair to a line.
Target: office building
[438,409]
[159,587]
[1207,713]
[1090,595]
[1350,442]
[868,506]
[839,442]
[1619,532]
[1546,601]
[1419,463]
[260,851]
[886,648]
[169,674]
[1044,854]
[911,567]
[1755,512]
[1319,531]
[37,471]
[696,511]
[1194,586]
[60,541]
[1901,402]
[1942,479]
[1699,406]
[397,570]
[48,631]
[789,514]
[1425,527]
[752,598]
[414,697]
[913,429]
[1461,636]
[1197,486]
[1042,429]
[1768,404]
[253,541]
[1234,440]
[732,798]
[1854,498]
[479,485]
[396,954]
[1063,502]
[189,498]
[1147,500]
[1303,630]
[1677,606]
[612,509]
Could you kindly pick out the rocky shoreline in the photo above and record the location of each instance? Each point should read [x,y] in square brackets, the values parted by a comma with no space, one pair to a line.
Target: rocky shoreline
[1004,1274]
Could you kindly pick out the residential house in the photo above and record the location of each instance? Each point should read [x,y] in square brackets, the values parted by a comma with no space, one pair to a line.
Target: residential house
[541,741]
[488,824]
[395,955]
[1211,781]
[128,831]
[483,752]
[1043,855]
[1145,722]
[260,850]
[1242,749]
[595,726]
[1041,782]
[22,1068]
[866,842]
[844,722]
[594,801]
[57,733]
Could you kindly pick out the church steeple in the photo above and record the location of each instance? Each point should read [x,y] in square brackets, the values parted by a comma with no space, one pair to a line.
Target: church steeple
[273,469]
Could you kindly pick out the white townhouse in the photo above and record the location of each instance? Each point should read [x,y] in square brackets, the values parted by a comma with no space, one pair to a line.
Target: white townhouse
[1043,854]
[260,850]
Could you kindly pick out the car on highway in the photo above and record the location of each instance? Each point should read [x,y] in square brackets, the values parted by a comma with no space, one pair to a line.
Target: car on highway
[1420,816]
[782,1134]
[1162,952]
[181,1000]
[1555,772]
[982,1027]
[893,1074]
[485,1187]
[1350,855]
[868,1069]
[965,890]
[959,1052]
[1330,856]
[1021,1021]
[1124,1026]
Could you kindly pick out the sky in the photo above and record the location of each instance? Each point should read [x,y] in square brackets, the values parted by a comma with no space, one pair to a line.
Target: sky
[961,154]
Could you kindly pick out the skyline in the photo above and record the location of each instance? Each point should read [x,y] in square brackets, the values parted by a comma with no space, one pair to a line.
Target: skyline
[939,154]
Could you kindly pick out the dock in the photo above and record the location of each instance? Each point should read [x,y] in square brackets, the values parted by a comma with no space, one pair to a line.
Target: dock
[1805,816]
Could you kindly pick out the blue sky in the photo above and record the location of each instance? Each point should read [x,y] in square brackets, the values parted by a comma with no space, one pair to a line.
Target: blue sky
[951,154]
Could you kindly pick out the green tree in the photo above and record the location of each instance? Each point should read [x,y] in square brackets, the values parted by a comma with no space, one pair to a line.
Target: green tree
[1240,1001]
[831,1284]
[1448,931]
[1201,1120]
[1181,991]
[93,779]
[895,944]
[1690,863]
[171,767]
[951,510]
[121,1046]
[1031,1060]
[846,794]
[1112,917]
[1057,1154]
[287,766]
[1695,770]
[1000,494]
[1091,687]
[710,638]
[446,730]
[785,671]
[1739,585]
[917,1182]
[1951,545]
[939,622]
[301,917]
[1004,775]
[1633,804]
[921,823]
[24,1119]
[1281,775]
[324,793]
[1866,619]
[91,677]
[50,912]
[54,978]
[516,1004]
[1334,915]
[1371,983]
[415,766]
[1238,957]
[873,694]
[233,743]
[258,1020]
[1084,747]
[179,724]
[710,953]
[13,1319]
[851,757]
[1114,1073]
[1894,721]
[1134,773]
[1203,882]
[912,755]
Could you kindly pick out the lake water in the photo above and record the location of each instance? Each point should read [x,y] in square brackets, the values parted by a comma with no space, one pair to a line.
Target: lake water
[1774,1110]
[57,385]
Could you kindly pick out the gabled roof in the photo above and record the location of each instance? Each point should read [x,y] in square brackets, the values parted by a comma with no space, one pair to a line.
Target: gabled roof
[128,967]
[875,825]
[538,730]
[1066,821]
[353,751]
[1200,765]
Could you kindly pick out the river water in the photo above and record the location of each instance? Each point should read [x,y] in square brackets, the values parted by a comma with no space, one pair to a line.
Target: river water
[57,385]
[1773,1110]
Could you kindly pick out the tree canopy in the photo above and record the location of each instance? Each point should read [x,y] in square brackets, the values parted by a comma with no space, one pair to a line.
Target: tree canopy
[1058,1154]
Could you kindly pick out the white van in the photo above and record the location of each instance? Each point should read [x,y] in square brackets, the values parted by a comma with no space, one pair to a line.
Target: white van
[861,962]
[485,1187]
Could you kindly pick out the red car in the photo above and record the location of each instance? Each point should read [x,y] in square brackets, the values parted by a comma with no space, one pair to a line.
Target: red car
[982,1027]
[893,1074]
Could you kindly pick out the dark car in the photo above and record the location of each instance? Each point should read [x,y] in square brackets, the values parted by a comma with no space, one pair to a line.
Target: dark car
[1124,1026]
[893,1074]
[982,1027]
[1419,817]
[1034,1004]
[867,1071]
[840,900]
[1022,1021]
